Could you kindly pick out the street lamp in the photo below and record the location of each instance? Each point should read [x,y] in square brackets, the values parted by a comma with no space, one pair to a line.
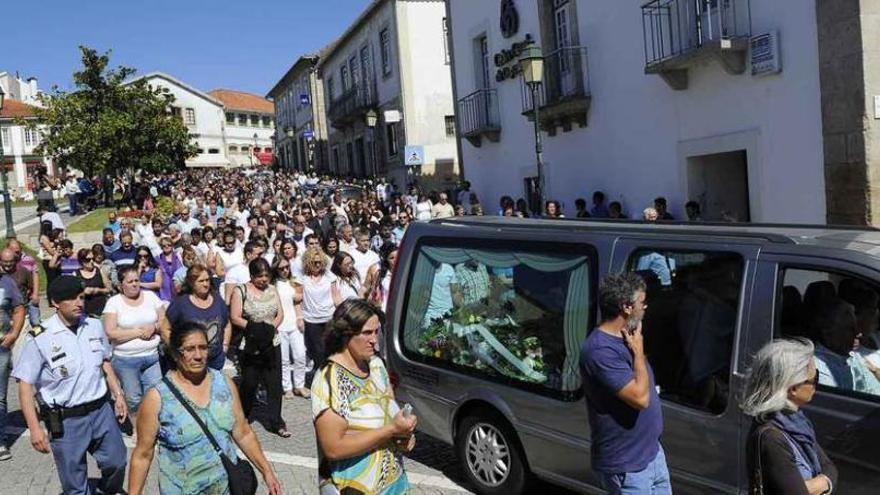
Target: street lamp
[532,65]
[254,161]
[372,118]
[7,206]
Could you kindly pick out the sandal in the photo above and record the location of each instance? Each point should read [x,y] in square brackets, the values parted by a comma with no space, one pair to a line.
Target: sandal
[283,433]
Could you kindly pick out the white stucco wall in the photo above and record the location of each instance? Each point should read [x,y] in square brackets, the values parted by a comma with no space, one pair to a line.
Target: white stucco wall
[427,84]
[640,130]
[210,117]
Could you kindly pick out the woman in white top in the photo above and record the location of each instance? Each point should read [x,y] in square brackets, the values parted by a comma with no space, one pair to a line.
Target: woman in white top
[131,321]
[423,208]
[382,284]
[293,346]
[318,290]
[347,278]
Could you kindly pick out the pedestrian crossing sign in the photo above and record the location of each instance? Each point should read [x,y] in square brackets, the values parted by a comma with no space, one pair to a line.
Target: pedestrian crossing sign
[414,155]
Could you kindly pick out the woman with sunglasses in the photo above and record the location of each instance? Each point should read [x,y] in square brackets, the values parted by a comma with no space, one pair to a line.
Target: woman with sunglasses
[150,276]
[318,289]
[293,347]
[97,285]
[782,452]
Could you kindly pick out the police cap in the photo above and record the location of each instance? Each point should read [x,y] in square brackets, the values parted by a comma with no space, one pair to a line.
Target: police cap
[65,288]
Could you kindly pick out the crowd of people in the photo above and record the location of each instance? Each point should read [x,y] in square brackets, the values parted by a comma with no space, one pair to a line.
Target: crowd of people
[287,279]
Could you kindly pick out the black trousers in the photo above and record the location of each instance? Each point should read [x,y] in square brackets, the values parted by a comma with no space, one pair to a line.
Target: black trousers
[265,370]
[314,338]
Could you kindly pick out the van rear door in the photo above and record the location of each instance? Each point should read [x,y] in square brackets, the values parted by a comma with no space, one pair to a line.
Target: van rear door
[697,295]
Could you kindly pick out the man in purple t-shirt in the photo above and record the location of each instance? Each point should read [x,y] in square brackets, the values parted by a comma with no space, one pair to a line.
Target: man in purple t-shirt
[624,409]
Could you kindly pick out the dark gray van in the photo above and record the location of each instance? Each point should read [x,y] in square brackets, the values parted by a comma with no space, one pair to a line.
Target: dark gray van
[487,314]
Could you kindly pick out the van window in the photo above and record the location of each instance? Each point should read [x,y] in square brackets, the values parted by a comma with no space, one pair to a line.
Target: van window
[690,324]
[518,317]
[839,314]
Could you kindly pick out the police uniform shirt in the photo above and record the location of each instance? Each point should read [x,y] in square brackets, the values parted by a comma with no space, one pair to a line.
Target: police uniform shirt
[10,297]
[65,366]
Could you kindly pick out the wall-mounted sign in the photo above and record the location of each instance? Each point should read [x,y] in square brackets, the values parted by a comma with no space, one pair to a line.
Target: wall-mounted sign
[304,99]
[392,116]
[506,60]
[765,54]
[413,155]
[509,19]
[309,134]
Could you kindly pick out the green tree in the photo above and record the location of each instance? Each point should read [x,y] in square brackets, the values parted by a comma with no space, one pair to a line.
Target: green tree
[107,124]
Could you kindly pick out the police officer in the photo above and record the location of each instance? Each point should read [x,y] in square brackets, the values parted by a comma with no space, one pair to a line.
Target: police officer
[68,362]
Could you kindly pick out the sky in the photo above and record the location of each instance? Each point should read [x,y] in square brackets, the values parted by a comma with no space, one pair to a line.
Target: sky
[242,45]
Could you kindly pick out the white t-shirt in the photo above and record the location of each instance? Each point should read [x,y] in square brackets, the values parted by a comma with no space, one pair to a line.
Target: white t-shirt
[237,275]
[363,262]
[186,226]
[286,293]
[231,260]
[349,291]
[135,316]
[317,303]
[423,211]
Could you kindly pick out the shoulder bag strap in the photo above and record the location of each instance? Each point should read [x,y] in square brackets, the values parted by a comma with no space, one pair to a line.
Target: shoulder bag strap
[759,471]
[185,403]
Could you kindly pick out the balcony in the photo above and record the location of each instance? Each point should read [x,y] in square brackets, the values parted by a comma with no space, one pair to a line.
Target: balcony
[352,105]
[564,98]
[478,117]
[680,34]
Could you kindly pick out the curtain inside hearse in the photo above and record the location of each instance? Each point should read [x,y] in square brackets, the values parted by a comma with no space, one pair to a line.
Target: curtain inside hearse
[576,307]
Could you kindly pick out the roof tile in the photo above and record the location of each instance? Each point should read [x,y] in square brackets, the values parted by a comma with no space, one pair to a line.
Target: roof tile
[239,100]
[13,109]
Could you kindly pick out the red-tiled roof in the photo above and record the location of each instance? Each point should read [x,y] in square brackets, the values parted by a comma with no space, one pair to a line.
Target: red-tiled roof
[13,109]
[238,100]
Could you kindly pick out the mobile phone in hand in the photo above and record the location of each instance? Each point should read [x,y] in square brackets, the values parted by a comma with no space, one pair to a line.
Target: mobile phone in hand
[407,410]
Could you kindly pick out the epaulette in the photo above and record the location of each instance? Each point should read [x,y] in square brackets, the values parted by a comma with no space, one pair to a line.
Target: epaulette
[35,331]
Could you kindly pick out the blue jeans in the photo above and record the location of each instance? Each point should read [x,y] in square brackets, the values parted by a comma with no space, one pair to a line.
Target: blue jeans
[136,375]
[73,208]
[653,480]
[33,313]
[5,370]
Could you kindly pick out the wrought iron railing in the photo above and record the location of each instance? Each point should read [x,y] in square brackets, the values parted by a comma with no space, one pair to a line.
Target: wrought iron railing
[566,75]
[676,27]
[353,103]
[478,113]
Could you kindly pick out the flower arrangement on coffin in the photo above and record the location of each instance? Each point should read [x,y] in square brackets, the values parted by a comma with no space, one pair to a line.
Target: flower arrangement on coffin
[440,340]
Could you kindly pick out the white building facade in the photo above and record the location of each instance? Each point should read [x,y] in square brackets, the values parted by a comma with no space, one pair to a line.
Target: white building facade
[219,143]
[24,90]
[392,63]
[638,112]
[19,143]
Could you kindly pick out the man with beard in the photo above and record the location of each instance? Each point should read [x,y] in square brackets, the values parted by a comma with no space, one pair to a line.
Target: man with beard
[622,401]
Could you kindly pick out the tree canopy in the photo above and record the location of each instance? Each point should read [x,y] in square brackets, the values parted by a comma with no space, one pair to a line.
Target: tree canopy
[111,123]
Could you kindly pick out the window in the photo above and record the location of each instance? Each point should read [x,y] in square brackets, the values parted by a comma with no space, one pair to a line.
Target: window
[484,65]
[366,65]
[353,68]
[330,89]
[267,121]
[343,76]
[336,159]
[385,43]
[4,136]
[190,116]
[450,125]
[245,149]
[391,138]
[233,149]
[242,119]
[177,112]
[213,151]
[200,151]
[517,317]
[255,121]
[834,311]
[690,323]
[30,137]
[446,40]
[230,118]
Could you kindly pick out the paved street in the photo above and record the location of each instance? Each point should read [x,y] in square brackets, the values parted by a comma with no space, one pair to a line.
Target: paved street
[432,468]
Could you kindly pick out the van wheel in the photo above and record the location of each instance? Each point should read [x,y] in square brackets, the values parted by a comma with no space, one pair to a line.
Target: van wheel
[490,455]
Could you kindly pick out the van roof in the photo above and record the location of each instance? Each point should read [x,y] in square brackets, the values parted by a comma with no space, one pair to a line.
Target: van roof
[855,238]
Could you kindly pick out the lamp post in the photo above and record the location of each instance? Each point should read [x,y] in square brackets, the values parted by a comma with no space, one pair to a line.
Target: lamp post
[255,160]
[372,118]
[289,133]
[7,206]
[532,65]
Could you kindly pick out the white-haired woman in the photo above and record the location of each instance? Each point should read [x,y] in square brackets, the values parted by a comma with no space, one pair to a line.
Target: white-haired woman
[782,452]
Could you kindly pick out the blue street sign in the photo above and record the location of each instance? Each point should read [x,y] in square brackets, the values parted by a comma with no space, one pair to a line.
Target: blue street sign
[308,134]
[414,155]
[304,99]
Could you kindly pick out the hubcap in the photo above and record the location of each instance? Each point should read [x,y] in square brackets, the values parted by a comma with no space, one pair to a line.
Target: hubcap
[488,455]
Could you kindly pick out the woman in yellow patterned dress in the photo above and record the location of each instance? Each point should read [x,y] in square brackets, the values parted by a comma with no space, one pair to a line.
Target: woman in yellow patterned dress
[360,428]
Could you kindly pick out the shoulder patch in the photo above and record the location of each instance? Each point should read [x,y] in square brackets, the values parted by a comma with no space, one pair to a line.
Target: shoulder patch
[35,331]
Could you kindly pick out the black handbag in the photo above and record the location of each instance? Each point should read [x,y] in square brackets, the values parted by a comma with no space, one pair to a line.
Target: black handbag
[241,475]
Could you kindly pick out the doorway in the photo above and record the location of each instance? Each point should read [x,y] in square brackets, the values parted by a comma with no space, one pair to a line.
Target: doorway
[361,157]
[719,182]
